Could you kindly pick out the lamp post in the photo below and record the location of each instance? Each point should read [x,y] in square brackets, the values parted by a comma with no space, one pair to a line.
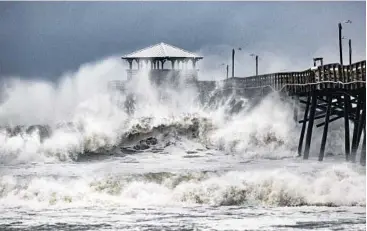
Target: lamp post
[350,49]
[233,53]
[340,40]
[257,63]
[227,68]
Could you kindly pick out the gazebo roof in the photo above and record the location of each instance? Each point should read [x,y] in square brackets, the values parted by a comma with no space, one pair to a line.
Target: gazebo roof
[161,50]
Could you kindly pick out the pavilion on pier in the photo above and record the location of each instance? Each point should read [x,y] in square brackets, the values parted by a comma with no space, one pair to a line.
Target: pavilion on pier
[162,60]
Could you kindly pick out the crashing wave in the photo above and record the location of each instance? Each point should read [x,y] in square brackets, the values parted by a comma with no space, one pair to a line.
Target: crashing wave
[339,185]
[138,136]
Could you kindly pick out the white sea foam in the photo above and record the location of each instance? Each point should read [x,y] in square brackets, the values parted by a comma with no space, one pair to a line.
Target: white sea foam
[97,120]
[84,100]
[338,185]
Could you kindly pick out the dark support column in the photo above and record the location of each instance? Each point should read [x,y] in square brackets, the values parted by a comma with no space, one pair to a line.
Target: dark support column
[303,126]
[326,126]
[233,62]
[346,125]
[350,62]
[138,61]
[340,43]
[295,109]
[341,51]
[310,125]
[362,125]
[151,64]
[357,124]
[194,64]
[350,52]
[257,65]
[130,64]
[363,151]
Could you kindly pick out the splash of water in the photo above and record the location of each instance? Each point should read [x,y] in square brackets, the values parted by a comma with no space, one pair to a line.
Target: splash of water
[84,115]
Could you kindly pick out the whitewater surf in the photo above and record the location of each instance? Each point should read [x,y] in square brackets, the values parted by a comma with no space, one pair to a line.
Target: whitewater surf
[78,155]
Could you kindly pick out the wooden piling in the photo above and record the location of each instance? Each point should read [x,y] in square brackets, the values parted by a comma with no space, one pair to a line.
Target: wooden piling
[326,126]
[295,109]
[346,125]
[357,124]
[310,125]
[304,126]
[363,151]
[362,124]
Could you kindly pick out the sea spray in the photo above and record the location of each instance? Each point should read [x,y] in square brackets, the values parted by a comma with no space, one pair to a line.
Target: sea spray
[339,185]
[84,116]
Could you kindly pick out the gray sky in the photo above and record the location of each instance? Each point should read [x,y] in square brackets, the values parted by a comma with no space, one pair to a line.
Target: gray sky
[46,39]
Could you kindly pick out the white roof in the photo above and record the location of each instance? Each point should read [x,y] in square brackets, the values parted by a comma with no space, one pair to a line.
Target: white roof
[162,50]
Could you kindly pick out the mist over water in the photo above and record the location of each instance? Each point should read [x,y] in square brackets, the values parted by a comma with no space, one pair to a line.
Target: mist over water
[159,146]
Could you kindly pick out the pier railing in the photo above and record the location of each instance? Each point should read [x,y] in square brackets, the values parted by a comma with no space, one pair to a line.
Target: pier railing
[322,77]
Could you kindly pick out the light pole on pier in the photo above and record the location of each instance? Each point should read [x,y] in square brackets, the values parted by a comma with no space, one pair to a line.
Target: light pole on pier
[227,69]
[350,49]
[233,52]
[257,63]
[340,40]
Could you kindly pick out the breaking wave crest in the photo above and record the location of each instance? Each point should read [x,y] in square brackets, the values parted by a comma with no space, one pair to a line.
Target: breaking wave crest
[340,185]
[82,116]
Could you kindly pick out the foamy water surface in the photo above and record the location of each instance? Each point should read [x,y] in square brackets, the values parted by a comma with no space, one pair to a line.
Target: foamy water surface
[158,159]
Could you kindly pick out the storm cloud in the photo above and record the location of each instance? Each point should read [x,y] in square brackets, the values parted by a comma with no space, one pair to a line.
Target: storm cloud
[45,39]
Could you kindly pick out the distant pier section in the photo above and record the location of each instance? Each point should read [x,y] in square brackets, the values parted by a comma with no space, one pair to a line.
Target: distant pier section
[164,63]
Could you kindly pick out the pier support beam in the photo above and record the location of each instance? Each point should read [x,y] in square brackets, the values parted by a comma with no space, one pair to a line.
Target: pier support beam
[295,109]
[326,126]
[363,151]
[362,125]
[346,125]
[310,125]
[357,125]
[304,126]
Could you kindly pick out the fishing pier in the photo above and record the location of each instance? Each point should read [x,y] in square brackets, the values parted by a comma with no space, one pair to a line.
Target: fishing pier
[328,92]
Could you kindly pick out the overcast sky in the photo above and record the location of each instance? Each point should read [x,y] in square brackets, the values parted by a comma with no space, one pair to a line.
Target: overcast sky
[46,39]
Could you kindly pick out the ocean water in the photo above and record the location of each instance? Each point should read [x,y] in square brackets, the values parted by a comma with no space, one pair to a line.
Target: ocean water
[156,158]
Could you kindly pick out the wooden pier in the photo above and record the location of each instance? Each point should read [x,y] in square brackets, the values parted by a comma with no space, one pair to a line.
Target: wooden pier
[330,92]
